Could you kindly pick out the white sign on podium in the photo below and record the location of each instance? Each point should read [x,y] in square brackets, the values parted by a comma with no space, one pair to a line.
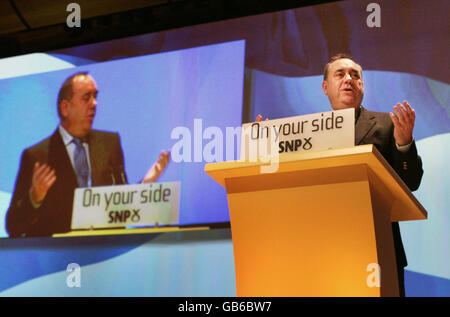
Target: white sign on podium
[126,205]
[266,140]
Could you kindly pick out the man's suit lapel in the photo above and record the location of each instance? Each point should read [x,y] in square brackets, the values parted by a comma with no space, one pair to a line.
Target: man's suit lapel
[96,157]
[60,161]
[364,124]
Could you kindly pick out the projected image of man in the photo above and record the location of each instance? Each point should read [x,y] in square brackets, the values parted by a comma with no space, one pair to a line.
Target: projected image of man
[74,156]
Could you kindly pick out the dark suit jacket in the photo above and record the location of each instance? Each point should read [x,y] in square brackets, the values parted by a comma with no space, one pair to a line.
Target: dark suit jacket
[377,128]
[55,213]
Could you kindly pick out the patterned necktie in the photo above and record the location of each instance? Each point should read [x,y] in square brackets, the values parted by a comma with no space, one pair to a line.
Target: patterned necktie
[81,163]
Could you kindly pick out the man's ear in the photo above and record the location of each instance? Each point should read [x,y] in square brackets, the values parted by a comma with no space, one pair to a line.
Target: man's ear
[325,87]
[64,108]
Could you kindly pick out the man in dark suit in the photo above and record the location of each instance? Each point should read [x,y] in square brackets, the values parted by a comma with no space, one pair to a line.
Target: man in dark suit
[74,156]
[392,134]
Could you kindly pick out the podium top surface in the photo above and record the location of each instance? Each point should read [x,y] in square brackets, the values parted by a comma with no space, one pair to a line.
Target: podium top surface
[405,206]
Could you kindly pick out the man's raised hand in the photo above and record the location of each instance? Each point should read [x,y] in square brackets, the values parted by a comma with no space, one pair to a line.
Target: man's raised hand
[43,178]
[157,168]
[403,123]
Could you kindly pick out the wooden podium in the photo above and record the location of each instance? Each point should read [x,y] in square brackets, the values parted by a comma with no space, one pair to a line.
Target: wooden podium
[316,225]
